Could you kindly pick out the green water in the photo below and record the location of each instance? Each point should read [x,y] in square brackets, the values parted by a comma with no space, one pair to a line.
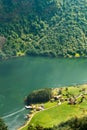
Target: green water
[19,76]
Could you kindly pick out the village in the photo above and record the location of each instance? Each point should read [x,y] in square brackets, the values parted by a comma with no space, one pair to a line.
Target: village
[60,96]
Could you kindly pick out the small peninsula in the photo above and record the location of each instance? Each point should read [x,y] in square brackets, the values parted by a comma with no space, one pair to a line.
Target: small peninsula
[66,105]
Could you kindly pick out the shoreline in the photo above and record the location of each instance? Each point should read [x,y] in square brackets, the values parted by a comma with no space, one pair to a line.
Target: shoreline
[58,57]
[27,122]
[32,115]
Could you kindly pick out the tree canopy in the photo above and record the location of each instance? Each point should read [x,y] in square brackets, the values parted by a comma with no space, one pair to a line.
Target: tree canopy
[55,28]
[39,96]
[2,125]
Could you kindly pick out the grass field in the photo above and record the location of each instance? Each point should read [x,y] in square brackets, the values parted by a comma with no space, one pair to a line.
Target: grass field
[55,114]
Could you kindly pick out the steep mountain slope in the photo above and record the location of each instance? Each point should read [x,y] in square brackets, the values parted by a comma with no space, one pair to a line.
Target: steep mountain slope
[43,27]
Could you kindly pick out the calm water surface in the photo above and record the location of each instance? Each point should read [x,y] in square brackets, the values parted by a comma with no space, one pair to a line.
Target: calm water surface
[20,76]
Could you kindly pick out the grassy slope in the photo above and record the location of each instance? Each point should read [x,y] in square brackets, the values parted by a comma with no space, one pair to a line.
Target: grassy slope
[57,114]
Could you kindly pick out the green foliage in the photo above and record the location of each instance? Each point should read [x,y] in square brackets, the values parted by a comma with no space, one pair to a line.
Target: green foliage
[39,96]
[38,127]
[2,125]
[74,124]
[2,55]
[56,28]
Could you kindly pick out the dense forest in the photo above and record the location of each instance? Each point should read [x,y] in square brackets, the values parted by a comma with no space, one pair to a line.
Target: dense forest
[55,28]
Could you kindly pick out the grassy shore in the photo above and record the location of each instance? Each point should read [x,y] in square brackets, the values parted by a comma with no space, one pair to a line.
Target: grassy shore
[55,113]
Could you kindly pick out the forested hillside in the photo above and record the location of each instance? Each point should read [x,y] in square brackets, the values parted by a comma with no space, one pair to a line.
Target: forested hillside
[43,27]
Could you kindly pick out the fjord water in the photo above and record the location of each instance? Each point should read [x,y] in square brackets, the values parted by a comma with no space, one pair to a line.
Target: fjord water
[20,76]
